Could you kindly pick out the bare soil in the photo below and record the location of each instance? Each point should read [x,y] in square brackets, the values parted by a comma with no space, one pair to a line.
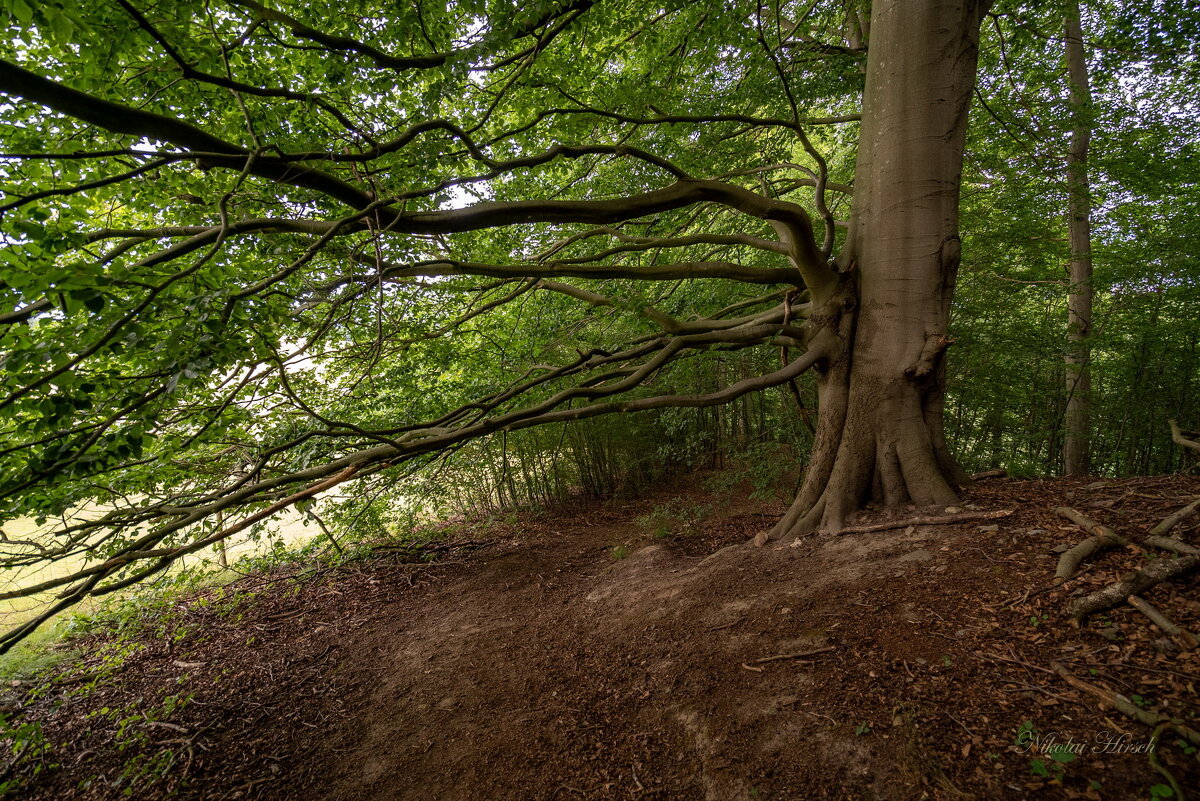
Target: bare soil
[574,655]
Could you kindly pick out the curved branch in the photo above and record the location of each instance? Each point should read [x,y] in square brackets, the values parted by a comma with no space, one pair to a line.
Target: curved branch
[640,244]
[401,63]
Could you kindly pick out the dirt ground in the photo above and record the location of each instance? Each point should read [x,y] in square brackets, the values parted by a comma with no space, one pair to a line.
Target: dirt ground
[577,655]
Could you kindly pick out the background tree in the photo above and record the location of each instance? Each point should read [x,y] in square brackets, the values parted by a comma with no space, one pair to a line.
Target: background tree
[1076,438]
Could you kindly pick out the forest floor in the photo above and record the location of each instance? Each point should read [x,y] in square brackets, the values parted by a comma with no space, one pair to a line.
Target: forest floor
[619,650]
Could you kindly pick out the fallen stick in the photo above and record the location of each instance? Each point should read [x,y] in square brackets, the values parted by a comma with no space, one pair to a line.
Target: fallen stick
[1186,640]
[936,520]
[726,625]
[800,655]
[1175,518]
[1102,538]
[1124,705]
[1133,583]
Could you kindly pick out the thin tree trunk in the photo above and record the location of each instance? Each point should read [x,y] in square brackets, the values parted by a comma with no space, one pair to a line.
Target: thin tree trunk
[1076,440]
[222,555]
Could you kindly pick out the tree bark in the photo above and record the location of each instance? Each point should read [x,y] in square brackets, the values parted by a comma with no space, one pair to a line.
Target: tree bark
[880,428]
[1076,442]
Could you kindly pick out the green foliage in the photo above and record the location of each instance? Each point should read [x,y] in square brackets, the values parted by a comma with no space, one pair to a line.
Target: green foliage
[1007,386]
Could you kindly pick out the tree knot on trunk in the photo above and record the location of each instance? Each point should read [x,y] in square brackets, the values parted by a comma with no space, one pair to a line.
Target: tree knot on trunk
[934,345]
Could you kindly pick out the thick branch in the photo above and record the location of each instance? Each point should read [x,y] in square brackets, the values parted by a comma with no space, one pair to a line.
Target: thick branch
[652,272]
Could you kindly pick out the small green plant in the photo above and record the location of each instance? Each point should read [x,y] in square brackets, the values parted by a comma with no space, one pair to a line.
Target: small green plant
[1161,791]
[1054,765]
[147,762]
[26,750]
[1036,621]
[618,552]
[677,517]
[862,729]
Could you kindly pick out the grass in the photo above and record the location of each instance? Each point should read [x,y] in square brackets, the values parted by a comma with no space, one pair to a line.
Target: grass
[618,552]
[45,648]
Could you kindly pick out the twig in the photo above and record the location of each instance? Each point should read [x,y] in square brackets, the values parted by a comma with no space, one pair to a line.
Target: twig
[726,625]
[1015,661]
[800,655]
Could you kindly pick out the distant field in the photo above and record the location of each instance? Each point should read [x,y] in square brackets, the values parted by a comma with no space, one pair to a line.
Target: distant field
[288,524]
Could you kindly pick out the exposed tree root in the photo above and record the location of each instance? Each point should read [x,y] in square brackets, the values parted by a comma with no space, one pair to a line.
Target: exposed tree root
[935,520]
[1170,521]
[1127,707]
[1103,538]
[1086,523]
[1178,437]
[1173,545]
[1184,638]
[1152,755]
[878,436]
[1133,583]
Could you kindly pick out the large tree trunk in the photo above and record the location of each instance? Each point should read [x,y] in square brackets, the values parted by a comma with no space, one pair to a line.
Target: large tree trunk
[1079,299]
[880,432]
